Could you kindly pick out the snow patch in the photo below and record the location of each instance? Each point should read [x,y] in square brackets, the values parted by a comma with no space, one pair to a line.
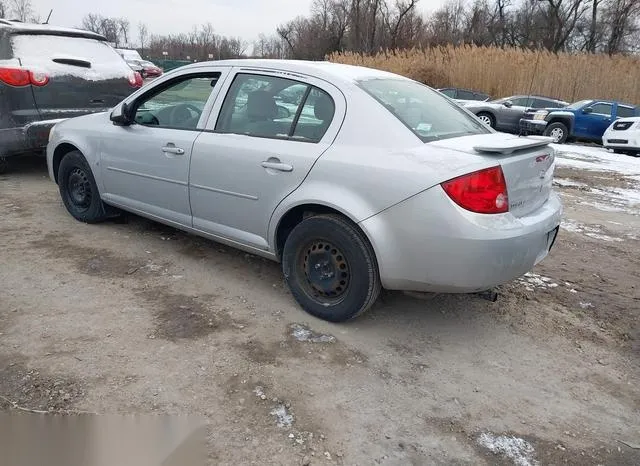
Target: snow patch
[592,231]
[517,449]
[596,158]
[302,333]
[283,417]
[568,183]
[531,281]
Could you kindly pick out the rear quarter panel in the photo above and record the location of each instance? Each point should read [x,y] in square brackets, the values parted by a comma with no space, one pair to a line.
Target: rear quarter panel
[374,163]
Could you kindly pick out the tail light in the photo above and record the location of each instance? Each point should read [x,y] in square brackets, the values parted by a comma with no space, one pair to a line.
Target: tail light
[483,192]
[135,79]
[19,77]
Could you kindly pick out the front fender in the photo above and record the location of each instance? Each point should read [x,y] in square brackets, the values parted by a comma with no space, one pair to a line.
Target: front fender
[566,117]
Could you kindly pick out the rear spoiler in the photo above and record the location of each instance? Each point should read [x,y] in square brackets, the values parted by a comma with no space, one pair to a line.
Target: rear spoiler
[516,143]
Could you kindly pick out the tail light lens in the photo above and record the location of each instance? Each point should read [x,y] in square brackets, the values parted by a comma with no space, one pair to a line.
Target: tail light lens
[483,192]
[135,79]
[19,77]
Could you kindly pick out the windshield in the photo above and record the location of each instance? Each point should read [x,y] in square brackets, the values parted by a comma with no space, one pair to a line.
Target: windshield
[426,112]
[579,104]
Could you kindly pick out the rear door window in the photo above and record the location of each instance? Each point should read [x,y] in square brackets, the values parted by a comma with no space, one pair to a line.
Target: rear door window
[465,95]
[624,111]
[274,107]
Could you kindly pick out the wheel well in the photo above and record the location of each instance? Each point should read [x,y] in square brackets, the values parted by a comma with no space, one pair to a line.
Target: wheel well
[296,215]
[58,154]
[564,121]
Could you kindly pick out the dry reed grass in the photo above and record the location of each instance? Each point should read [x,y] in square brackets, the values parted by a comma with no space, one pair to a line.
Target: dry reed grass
[504,72]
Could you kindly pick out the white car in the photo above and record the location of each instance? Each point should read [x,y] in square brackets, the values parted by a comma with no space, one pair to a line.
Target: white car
[623,136]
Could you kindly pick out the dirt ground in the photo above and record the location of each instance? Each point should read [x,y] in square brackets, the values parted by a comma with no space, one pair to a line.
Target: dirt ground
[135,317]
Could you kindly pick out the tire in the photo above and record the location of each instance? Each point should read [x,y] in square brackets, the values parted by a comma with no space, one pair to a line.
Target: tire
[558,131]
[4,165]
[79,191]
[331,268]
[487,118]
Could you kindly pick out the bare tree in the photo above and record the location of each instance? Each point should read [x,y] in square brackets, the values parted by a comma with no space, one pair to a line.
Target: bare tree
[143,36]
[621,17]
[21,10]
[123,27]
[3,10]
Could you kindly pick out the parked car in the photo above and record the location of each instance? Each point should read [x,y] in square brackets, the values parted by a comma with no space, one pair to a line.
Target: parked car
[505,114]
[623,136]
[585,120]
[129,55]
[464,95]
[135,66]
[422,197]
[49,73]
[149,70]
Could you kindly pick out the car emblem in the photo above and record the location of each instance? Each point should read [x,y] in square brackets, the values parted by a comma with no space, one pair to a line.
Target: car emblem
[542,158]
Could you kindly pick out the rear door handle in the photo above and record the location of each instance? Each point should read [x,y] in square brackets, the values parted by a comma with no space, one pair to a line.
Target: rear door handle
[282,167]
[171,149]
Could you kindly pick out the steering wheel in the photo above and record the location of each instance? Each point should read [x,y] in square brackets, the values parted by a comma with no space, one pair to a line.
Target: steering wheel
[181,113]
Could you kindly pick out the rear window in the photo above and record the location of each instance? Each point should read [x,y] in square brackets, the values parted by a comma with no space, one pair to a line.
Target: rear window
[424,111]
[60,55]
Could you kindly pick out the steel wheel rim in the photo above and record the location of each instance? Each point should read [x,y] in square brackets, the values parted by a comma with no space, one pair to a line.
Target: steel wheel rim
[485,119]
[327,275]
[557,134]
[79,189]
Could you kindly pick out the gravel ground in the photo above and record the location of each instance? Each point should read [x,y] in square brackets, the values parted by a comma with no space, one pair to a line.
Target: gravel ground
[132,316]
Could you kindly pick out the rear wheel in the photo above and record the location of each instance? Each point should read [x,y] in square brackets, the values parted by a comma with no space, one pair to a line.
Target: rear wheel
[558,131]
[331,268]
[78,189]
[487,119]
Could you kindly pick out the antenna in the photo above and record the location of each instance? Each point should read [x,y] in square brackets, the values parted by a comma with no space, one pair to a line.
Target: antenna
[533,76]
[48,17]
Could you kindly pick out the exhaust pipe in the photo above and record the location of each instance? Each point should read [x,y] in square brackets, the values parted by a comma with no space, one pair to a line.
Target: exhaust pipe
[489,295]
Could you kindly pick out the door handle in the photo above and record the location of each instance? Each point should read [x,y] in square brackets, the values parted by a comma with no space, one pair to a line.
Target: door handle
[282,167]
[171,149]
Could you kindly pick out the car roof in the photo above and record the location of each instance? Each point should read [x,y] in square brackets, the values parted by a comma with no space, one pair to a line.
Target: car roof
[321,69]
[31,28]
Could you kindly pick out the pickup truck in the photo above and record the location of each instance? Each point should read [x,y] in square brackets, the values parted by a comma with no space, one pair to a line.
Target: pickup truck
[584,120]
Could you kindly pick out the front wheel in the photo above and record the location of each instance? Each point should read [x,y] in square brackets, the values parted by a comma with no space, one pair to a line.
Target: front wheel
[331,268]
[78,189]
[558,131]
[487,119]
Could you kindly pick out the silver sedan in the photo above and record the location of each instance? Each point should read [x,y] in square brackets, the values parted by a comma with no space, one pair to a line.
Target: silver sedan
[354,179]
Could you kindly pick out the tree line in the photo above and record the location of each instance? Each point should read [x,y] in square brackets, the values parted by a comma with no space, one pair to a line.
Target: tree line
[367,26]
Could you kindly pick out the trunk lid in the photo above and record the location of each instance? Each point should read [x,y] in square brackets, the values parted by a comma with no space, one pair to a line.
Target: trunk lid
[85,75]
[527,163]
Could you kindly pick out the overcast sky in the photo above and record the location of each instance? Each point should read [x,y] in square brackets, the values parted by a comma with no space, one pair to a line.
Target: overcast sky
[239,18]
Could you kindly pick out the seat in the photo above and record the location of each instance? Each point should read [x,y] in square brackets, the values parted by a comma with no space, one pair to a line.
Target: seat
[261,110]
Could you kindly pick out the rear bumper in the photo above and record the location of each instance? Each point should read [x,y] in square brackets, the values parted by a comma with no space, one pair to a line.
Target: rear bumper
[427,243]
[33,136]
[532,126]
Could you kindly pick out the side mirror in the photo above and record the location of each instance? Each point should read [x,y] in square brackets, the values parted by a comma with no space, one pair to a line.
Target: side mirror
[120,115]
[283,112]
[507,103]
[587,110]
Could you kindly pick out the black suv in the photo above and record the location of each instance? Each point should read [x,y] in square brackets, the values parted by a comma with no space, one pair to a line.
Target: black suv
[48,74]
